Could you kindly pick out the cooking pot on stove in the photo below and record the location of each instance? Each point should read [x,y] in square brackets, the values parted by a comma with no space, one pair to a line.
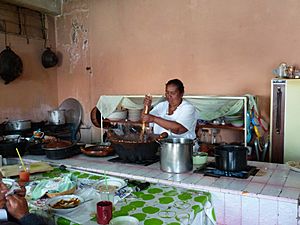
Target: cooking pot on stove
[136,151]
[133,151]
[60,149]
[18,125]
[231,157]
[57,117]
[8,147]
[176,155]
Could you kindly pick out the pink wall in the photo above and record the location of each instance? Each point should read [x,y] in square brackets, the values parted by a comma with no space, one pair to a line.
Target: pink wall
[32,94]
[134,47]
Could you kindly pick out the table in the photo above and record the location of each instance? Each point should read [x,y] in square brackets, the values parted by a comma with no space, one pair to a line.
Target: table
[156,205]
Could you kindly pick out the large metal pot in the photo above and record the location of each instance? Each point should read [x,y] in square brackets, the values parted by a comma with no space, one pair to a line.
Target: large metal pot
[57,117]
[231,157]
[176,155]
[18,125]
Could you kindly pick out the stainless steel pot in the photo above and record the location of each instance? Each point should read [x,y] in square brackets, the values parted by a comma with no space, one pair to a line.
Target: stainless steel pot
[176,155]
[18,125]
[231,157]
[57,117]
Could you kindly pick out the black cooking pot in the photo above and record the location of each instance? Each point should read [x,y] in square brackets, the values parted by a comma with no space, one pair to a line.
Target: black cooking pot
[49,58]
[231,157]
[8,147]
[11,65]
[135,151]
[61,149]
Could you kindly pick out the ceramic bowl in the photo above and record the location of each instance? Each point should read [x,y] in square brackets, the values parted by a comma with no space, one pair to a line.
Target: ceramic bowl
[200,158]
[124,220]
[64,208]
[237,123]
[110,185]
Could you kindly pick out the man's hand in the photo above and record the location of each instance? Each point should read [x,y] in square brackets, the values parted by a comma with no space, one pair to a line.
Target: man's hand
[3,191]
[17,206]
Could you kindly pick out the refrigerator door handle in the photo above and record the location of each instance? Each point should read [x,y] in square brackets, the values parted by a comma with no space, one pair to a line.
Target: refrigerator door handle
[278,111]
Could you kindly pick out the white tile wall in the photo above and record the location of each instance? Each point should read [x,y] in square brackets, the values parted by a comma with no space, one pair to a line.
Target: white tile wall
[268,212]
[233,209]
[250,210]
[287,213]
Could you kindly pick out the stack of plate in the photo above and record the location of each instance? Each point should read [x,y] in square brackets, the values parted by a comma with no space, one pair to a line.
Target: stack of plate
[229,119]
[118,115]
[234,120]
[134,114]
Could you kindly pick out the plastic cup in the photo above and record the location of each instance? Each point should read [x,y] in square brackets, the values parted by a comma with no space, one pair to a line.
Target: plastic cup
[104,212]
[24,175]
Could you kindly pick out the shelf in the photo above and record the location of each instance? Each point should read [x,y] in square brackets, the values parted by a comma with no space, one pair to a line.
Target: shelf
[220,127]
[107,122]
[241,103]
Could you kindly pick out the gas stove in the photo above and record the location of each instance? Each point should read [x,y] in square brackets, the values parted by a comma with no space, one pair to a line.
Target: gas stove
[210,170]
[143,162]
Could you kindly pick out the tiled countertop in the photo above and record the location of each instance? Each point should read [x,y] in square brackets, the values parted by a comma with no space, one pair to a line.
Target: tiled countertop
[274,184]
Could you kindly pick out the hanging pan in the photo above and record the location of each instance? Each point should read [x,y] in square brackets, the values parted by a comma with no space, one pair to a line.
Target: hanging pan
[49,58]
[11,65]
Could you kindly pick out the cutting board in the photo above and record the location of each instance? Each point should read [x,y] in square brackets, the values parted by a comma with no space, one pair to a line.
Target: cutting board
[36,167]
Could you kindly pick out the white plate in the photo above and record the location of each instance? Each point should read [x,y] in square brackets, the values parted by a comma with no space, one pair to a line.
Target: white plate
[118,183]
[294,165]
[50,202]
[124,220]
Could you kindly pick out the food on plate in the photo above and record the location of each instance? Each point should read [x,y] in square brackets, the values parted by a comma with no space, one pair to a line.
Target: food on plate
[108,188]
[66,204]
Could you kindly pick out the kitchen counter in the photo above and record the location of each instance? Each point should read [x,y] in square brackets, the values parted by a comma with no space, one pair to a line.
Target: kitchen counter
[270,197]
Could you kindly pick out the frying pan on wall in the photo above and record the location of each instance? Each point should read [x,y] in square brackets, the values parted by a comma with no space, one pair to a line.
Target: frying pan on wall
[11,65]
[49,58]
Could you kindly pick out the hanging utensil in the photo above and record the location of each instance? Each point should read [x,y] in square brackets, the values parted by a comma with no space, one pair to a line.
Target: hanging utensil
[266,148]
[256,149]
[49,58]
[11,65]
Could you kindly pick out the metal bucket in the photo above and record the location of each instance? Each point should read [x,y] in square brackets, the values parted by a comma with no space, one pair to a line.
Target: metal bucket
[57,117]
[176,155]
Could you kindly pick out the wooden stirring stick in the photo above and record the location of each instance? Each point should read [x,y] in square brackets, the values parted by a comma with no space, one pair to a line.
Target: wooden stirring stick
[146,112]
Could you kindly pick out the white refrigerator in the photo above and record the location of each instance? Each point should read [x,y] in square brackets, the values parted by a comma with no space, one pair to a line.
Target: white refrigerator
[285,120]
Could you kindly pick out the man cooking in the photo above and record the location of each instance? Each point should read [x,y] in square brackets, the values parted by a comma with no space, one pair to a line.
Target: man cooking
[175,116]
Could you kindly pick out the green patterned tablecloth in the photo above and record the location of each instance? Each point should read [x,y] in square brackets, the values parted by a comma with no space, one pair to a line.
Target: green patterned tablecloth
[156,205]
[167,205]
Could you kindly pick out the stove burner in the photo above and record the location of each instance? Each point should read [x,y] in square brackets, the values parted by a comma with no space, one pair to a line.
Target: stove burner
[143,162]
[210,170]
